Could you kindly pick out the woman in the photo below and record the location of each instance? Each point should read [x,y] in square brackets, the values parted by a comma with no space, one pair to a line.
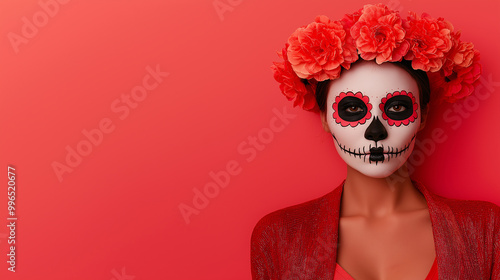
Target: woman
[378,224]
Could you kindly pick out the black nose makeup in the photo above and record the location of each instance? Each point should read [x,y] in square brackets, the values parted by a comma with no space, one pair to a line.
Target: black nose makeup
[376,131]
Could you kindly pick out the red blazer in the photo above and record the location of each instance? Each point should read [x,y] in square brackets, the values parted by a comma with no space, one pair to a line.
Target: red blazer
[300,242]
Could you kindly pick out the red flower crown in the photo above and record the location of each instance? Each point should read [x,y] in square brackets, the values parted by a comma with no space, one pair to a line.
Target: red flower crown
[317,52]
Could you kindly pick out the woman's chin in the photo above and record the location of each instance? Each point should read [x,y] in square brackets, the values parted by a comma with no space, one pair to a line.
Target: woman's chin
[376,169]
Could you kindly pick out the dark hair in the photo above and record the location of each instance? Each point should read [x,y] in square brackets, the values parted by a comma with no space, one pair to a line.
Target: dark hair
[419,76]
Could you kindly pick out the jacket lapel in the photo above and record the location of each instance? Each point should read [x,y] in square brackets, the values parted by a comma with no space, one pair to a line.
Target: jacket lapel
[451,252]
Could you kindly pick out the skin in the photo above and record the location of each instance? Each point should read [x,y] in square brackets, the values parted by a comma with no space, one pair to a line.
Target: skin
[385,230]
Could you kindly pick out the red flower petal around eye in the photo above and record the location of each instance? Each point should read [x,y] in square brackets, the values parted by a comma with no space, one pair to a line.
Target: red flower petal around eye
[358,95]
[382,105]
[406,121]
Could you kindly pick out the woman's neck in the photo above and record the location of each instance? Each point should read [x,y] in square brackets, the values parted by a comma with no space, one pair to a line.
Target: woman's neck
[378,197]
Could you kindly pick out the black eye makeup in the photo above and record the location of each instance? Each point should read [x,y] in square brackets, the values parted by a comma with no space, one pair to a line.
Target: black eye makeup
[351,109]
[399,108]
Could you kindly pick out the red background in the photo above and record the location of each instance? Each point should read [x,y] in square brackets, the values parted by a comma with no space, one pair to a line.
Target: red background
[119,207]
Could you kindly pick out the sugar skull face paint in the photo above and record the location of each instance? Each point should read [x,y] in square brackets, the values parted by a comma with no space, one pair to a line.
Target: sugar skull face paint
[373,113]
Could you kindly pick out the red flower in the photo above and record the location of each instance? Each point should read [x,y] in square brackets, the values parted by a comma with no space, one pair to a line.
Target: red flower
[350,51]
[459,84]
[316,51]
[379,34]
[303,95]
[460,54]
[430,40]
[350,19]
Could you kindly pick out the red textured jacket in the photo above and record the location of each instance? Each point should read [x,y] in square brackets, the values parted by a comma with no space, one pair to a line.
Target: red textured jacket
[300,242]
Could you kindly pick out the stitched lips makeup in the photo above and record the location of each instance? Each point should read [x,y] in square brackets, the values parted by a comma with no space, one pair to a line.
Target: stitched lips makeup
[375,154]
[373,115]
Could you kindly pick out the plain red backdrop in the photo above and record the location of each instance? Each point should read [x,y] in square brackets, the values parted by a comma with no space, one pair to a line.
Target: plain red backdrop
[116,214]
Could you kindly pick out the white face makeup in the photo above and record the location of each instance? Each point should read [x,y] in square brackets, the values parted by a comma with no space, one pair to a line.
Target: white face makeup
[373,113]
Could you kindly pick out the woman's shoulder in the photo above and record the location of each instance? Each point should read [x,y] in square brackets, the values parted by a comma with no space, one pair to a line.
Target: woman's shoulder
[471,211]
[459,207]
[294,213]
[297,216]
[469,206]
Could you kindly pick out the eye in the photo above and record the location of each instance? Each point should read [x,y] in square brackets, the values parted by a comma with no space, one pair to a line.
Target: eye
[351,109]
[354,109]
[397,108]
